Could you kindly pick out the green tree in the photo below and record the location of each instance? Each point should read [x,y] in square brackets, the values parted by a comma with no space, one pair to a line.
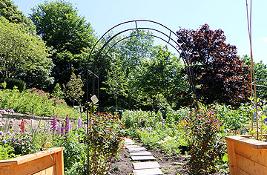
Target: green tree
[57,91]
[23,55]
[138,47]
[162,74]
[74,88]
[9,11]
[116,85]
[145,76]
[59,24]
[260,75]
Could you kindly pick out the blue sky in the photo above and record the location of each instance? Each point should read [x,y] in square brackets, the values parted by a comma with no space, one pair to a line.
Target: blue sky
[229,15]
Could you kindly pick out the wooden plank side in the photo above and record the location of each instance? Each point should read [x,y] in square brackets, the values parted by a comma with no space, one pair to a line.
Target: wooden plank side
[48,171]
[29,168]
[232,156]
[29,157]
[248,141]
[241,172]
[249,166]
[256,155]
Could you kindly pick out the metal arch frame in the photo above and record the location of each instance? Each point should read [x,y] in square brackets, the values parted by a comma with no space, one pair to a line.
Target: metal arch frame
[126,22]
[124,38]
[189,71]
[132,29]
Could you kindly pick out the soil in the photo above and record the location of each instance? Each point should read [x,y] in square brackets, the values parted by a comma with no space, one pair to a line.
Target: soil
[171,165]
[122,165]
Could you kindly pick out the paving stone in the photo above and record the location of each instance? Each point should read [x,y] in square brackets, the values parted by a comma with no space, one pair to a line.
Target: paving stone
[129,143]
[132,146]
[141,153]
[142,158]
[128,140]
[154,171]
[136,149]
[145,165]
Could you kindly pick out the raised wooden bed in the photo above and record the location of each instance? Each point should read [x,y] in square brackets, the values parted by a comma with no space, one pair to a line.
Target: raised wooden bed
[49,162]
[246,156]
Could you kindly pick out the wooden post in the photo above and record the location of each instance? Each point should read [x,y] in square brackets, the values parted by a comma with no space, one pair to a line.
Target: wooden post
[60,163]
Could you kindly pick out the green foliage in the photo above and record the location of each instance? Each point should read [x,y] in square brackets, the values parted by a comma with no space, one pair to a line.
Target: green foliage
[23,56]
[59,24]
[6,151]
[11,83]
[206,142]
[105,136]
[145,76]
[69,35]
[140,119]
[233,120]
[260,76]
[73,89]
[74,152]
[161,80]
[22,144]
[9,11]
[27,102]
[57,92]
[168,136]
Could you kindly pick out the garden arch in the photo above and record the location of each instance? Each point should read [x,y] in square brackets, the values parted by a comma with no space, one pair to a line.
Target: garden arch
[162,32]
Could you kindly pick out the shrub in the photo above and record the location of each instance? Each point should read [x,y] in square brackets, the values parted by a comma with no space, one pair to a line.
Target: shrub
[167,135]
[206,144]
[74,152]
[105,136]
[6,151]
[11,83]
[233,120]
[32,103]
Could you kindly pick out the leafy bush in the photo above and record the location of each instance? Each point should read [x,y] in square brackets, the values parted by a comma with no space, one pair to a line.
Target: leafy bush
[167,135]
[105,136]
[11,83]
[233,120]
[74,152]
[6,151]
[32,103]
[206,141]
[137,119]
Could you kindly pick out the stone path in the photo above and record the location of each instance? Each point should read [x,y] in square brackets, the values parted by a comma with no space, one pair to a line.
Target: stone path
[144,162]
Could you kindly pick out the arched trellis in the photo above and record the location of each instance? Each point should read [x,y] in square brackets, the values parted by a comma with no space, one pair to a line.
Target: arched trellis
[170,37]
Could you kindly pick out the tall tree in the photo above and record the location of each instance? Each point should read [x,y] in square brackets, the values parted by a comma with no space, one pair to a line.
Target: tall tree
[261,77]
[9,11]
[123,65]
[59,24]
[74,90]
[218,73]
[162,74]
[23,56]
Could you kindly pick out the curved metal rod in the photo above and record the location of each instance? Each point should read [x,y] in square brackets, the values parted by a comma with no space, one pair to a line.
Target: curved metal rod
[190,77]
[189,71]
[126,22]
[137,35]
[126,30]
